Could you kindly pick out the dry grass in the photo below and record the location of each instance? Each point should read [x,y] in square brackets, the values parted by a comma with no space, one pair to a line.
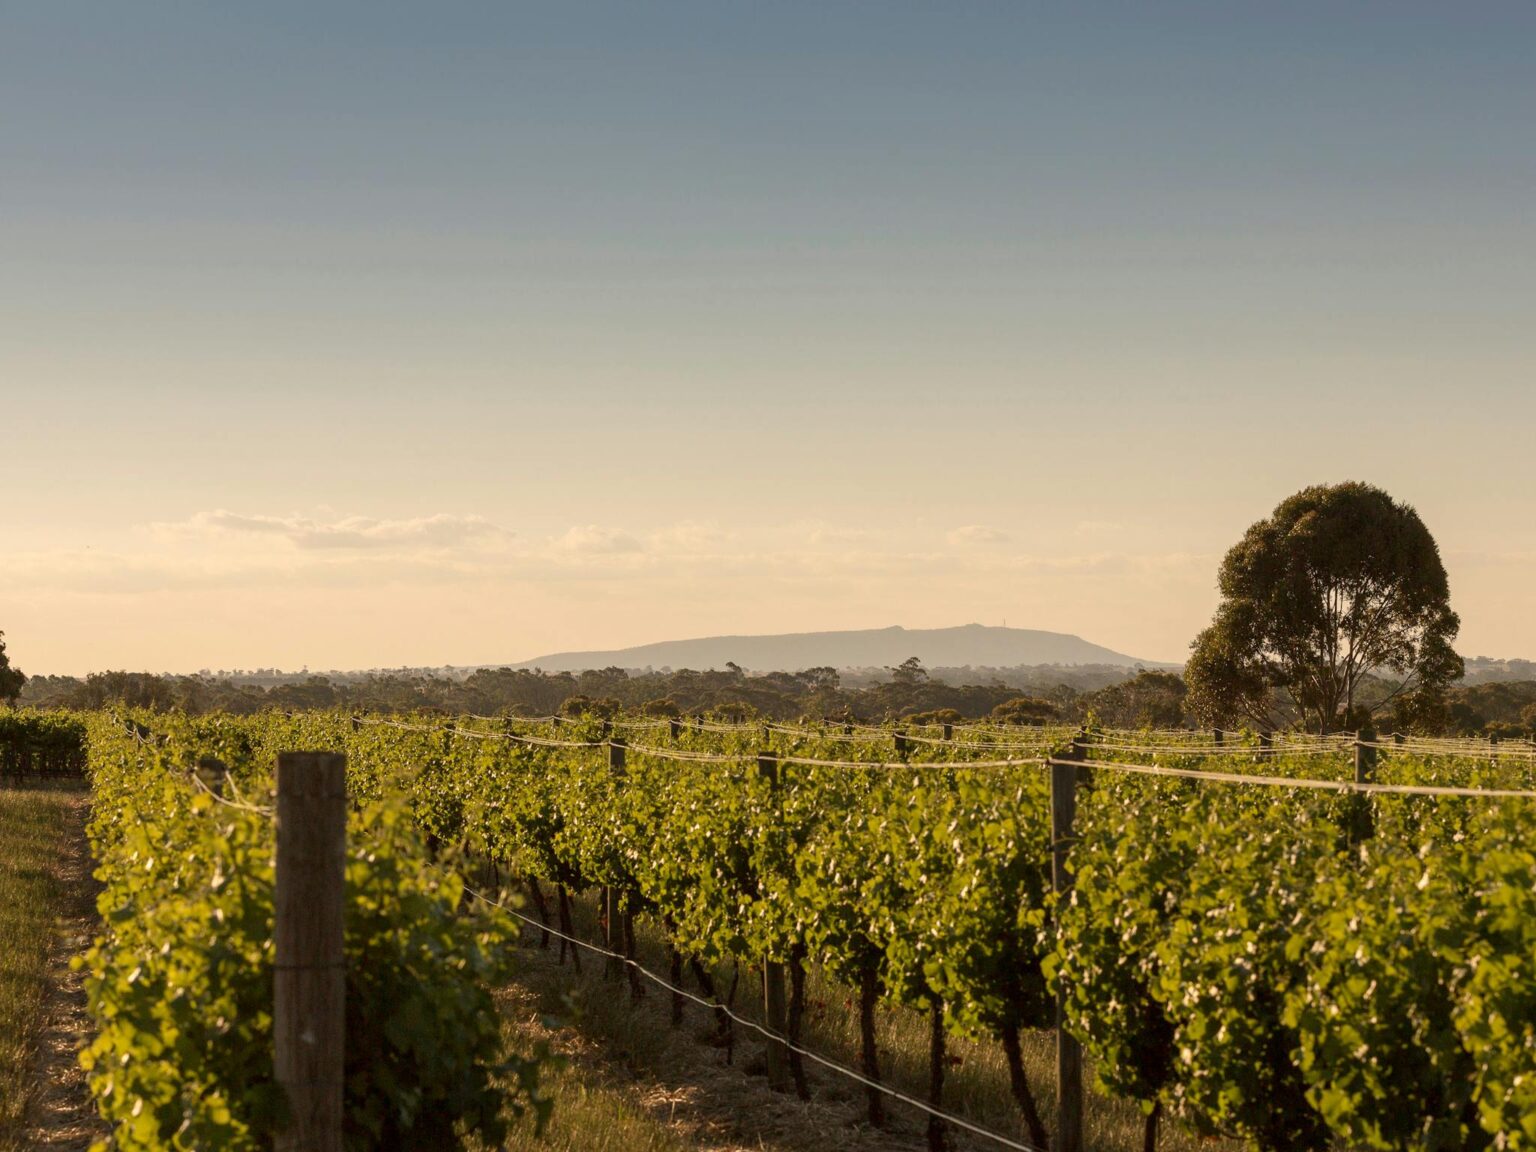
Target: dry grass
[597,1111]
[634,1082]
[35,826]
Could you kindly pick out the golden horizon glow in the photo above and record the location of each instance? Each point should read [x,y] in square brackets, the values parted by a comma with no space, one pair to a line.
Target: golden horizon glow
[358,338]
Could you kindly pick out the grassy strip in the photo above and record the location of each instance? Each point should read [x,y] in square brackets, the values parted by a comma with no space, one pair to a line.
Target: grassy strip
[33,825]
[593,1111]
[729,1107]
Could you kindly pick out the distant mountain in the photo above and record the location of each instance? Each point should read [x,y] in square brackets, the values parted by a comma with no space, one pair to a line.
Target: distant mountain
[973,644]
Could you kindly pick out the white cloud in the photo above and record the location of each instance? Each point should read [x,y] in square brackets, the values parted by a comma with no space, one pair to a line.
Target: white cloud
[225,550]
[689,536]
[818,533]
[595,540]
[1099,528]
[976,534]
[437,532]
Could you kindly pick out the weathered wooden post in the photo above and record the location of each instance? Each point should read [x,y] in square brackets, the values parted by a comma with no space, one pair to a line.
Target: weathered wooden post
[1365,758]
[1218,737]
[674,727]
[899,738]
[309,983]
[775,1007]
[1362,819]
[949,730]
[613,925]
[1069,1053]
[1266,744]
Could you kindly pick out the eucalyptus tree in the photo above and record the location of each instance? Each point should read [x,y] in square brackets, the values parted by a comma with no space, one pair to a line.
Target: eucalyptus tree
[11,679]
[1339,584]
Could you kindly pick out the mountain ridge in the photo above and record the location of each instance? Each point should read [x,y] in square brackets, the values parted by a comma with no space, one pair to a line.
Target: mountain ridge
[977,645]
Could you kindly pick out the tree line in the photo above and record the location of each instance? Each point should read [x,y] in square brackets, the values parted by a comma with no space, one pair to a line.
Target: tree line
[1141,699]
[731,692]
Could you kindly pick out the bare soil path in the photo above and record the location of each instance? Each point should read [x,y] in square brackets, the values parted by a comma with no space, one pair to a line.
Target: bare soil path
[60,1116]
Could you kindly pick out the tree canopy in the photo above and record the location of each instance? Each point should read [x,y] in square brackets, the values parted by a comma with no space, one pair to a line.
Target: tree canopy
[1154,699]
[1340,584]
[11,679]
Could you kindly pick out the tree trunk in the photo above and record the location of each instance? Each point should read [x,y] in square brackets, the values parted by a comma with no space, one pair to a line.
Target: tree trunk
[797,1017]
[636,988]
[542,907]
[674,967]
[707,986]
[936,1141]
[611,924]
[567,928]
[675,972]
[1149,1132]
[1020,1084]
[869,996]
[730,1000]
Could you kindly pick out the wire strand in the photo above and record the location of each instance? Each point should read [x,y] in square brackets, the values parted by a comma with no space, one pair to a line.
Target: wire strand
[768,1033]
[1301,782]
[238,805]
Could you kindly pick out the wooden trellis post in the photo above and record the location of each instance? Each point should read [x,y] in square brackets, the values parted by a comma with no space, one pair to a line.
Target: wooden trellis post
[310,993]
[1069,1053]
[775,1008]
[1365,758]
[613,915]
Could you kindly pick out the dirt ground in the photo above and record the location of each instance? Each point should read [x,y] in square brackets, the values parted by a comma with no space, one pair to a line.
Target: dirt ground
[61,1117]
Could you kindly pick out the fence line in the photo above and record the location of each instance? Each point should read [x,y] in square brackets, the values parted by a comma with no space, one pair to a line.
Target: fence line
[909,764]
[238,805]
[1302,782]
[769,1034]
[514,737]
[688,755]
[694,757]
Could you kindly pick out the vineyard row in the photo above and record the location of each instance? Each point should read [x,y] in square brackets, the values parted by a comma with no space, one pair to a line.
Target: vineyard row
[1293,966]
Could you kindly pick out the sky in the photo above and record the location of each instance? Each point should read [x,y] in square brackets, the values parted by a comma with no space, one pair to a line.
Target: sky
[372,335]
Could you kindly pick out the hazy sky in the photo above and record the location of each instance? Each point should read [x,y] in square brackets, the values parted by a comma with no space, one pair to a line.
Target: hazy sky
[380,334]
